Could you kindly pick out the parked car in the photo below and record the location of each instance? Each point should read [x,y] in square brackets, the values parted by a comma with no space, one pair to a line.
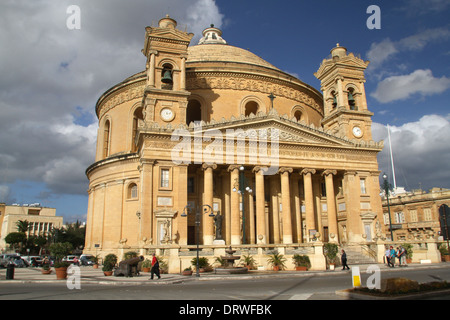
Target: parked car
[86,260]
[71,259]
[33,261]
[14,258]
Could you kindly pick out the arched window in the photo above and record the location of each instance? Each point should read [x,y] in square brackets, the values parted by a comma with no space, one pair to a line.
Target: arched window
[132,192]
[106,139]
[334,102]
[298,115]
[138,115]
[251,107]
[193,111]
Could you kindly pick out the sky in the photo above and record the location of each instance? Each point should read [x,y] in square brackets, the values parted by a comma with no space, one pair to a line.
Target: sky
[53,74]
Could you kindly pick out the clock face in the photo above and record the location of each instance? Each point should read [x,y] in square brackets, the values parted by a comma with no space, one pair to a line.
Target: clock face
[357,132]
[167,114]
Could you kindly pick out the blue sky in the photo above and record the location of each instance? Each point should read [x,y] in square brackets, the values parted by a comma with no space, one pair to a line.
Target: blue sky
[55,76]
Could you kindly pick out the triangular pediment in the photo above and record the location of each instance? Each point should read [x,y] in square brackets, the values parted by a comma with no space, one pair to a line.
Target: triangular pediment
[271,125]
[171,34]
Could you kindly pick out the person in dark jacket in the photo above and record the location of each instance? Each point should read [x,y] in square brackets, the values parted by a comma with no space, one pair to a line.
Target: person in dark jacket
[344,260]
[155,267]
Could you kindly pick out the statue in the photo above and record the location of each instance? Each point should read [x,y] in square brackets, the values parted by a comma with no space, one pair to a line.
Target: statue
[218,223]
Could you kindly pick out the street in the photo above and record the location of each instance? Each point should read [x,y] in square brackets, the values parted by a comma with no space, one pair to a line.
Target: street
[314,287]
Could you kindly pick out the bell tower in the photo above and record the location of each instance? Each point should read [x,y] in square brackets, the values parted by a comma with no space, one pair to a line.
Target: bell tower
[165,96]
[344,98]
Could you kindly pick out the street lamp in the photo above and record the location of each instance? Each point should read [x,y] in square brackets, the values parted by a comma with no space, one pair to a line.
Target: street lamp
[242,188]
[387,190]
[206,208]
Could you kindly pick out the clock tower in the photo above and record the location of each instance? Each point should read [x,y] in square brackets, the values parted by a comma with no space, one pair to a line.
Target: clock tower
[165,96]
[344,98]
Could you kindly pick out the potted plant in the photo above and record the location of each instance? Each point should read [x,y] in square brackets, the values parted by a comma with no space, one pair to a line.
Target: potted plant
[444,252]
[330,251]
[95,260]
[277,261]
[46,269]
[60,250]
[203,264]
[248,261]
[187,272]
[301,262]
[146,265]
[108,264]
[163,266]
[409,252]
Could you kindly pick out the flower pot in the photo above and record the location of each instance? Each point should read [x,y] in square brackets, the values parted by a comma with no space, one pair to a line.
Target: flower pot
[331,266]
[95,266]
[301,268]
[46,271]
[187,273]
[447,258]
[408,261]
[61,273]
[276,268]
[145,269]
[107,273]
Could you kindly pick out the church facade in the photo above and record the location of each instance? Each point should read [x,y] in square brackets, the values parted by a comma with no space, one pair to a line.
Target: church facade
[211,144]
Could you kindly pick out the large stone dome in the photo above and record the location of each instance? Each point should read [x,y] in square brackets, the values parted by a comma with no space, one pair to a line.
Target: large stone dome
[225,53]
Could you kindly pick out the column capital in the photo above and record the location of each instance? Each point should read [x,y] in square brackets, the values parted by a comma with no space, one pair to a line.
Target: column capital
[328,172]
[209,165]
[233,167]
[285,169]
[307,170]
[350,172]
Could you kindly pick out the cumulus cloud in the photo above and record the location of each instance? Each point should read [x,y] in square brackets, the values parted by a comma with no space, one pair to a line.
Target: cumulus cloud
[420,150]
[421,82]
[53,76]
[383,51]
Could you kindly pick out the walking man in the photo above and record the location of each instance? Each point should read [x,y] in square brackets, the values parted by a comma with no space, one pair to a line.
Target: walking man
[155,267]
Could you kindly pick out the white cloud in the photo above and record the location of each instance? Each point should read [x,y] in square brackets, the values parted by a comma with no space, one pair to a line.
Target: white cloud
[51,74]
[421,152]
[381,52]
[420,82]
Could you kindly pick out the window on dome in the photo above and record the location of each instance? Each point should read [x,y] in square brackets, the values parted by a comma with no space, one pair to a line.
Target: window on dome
[132,191]
[298,115]
[193,112]
[106,133]
[251,107]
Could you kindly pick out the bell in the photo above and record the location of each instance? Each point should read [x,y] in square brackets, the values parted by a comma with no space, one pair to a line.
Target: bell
[351,100]
[167,77]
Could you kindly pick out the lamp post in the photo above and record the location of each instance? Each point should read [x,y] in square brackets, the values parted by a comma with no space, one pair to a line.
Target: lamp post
[198,213]
[387,190]
[242,188]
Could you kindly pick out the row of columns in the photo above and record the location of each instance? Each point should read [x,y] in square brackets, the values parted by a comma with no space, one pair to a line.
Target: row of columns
[233,222]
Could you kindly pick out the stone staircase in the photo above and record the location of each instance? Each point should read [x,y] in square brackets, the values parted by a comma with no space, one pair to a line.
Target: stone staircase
[356,257]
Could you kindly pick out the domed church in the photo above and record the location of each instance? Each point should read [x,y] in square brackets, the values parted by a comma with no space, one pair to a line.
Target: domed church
[212,145]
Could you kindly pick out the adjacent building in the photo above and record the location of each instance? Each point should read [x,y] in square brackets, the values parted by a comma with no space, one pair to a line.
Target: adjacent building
[41,220]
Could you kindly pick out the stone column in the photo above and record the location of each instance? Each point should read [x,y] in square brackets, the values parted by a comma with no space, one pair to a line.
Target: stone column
[151,69]
[208,195]
[341,100]
[146,168]
[309,200]
[352,191]
[275,209]
[297,208]
[235,209]
[183,74]
[260,206]
[286,202]
[331,206]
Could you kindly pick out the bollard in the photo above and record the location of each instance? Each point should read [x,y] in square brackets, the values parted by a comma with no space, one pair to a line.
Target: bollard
[10,271]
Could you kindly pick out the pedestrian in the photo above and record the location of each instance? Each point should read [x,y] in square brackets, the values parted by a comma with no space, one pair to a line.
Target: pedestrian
[392,257]
[344,260]
[397,255]
[155,267]
[387,255]
[402,257]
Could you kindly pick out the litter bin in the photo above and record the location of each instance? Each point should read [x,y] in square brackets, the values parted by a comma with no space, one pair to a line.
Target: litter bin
[10,271]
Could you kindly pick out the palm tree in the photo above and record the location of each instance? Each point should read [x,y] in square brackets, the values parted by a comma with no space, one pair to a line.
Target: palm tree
[22,226]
